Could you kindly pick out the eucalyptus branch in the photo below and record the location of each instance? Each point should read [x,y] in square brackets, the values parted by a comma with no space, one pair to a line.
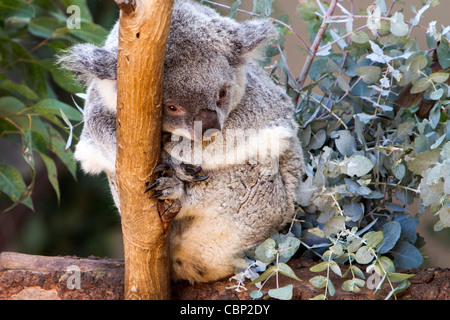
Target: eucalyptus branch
[257,15]
[315,46]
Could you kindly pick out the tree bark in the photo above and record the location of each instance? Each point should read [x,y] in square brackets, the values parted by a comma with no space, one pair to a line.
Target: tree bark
[143,32]
[37,277]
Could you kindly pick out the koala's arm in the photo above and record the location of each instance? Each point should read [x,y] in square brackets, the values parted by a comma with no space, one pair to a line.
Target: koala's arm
[96,68]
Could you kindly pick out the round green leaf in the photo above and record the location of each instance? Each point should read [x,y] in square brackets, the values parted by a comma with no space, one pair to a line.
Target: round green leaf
[266,252]
[406,255]
[444,215]
[437,94]
[391,233]
[420,85]
[364,255]
[369,74]
[256,294]
[438,77]
[398,25]
[284,293]
[360,37]
[318,282]
[359,166]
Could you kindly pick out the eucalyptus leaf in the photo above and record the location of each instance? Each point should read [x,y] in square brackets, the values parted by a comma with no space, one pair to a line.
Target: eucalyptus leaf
[444,215]
[398,25]
[391,233]
[358,166]
[421,85]
[318,282]
[346,143]
[283,293]
[406,256]
[12,184]
[364,255]
[369,74]
[266,252]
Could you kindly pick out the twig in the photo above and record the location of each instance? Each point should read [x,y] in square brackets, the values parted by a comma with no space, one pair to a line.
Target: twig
[315,46]
[257,15]
[126,6]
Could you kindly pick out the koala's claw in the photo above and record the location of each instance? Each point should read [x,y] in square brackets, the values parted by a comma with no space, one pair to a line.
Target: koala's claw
[166,188]
[190,169]
[161,167]
[157,194]
[200,178]
[152,186]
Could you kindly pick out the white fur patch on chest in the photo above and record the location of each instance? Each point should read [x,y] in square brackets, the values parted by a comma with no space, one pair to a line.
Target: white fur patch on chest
[107,90]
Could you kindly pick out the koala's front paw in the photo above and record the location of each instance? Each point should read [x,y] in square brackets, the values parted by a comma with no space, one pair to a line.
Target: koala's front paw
[184,172]
[166,188]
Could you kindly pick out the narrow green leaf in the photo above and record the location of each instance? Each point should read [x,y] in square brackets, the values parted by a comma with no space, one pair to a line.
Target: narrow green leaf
[21,89]
[267,274]
[319,267]
[10,106]
[57,146]
[331,288]
[12,185]
[16,8]
[397,277]
[46,27]
[51,107]
[52,173]
[284,269]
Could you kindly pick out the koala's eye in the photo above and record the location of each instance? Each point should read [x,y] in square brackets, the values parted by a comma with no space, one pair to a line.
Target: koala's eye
[173,109]
[222,95]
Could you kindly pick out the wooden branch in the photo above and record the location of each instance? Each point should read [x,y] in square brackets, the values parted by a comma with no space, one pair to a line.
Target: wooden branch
[36,277]
[143,32]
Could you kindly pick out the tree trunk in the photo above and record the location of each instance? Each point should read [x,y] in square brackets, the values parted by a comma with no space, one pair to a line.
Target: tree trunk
[68,278]
[144,27]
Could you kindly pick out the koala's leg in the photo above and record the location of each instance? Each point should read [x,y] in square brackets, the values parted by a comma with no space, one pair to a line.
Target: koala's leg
[203,247]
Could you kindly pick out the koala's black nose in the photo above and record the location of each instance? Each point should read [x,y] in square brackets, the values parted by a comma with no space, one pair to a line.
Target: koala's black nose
[209,120]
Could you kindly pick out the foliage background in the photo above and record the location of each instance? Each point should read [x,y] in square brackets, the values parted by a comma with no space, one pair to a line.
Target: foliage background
[83,221]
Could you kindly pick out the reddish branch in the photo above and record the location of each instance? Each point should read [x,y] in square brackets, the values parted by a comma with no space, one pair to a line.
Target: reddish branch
[36,277]
[315,46]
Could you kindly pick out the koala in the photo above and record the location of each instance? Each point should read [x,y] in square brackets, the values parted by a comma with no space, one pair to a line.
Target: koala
[230,152]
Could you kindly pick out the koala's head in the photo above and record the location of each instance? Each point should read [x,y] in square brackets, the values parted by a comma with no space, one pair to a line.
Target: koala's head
[203,75]
[203,70]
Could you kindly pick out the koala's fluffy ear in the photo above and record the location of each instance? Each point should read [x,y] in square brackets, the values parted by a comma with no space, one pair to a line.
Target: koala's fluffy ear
[88,61]
[252,34]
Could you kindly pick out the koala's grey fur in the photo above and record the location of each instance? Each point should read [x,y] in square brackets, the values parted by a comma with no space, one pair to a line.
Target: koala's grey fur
[209,75]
